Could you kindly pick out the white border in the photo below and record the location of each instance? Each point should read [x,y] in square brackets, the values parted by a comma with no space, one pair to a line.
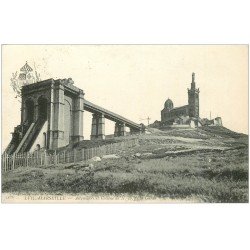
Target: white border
[125,226]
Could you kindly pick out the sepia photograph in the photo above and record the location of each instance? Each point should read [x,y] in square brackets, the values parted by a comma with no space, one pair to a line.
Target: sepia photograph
[124,124]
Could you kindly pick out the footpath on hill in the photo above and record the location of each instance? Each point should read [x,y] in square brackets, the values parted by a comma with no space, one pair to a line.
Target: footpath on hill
[194,165]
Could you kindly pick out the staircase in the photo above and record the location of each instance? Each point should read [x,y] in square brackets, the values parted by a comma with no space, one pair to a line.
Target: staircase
[30,136]
[16,139]
[11,147]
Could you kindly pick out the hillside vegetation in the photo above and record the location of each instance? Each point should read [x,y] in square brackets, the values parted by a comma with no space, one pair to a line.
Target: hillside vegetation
[207,164]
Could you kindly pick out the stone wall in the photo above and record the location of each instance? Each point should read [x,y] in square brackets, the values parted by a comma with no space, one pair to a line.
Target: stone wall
[171,115]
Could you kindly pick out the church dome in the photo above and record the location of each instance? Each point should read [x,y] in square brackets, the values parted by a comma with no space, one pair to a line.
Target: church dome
[168,104]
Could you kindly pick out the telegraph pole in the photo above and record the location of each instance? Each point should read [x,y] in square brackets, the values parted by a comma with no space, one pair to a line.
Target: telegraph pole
[148,119]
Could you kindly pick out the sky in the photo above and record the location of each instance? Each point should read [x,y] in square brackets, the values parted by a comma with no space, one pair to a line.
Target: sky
[135,80]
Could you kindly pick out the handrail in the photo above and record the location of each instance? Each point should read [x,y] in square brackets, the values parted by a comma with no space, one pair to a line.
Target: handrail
[24,138]
[30,135]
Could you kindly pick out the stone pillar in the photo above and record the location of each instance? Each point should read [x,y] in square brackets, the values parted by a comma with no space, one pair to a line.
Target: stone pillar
[101,127]
[78,118]
[117,129]
[23,112]
[123,130]
[98,127]
[120,129]
[35,111]
[94,127]
[58,126]
[51,119]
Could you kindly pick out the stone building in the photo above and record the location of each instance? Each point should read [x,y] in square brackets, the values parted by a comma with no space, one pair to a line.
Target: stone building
[212,122]
[52,115]
[218,121]
[184,114]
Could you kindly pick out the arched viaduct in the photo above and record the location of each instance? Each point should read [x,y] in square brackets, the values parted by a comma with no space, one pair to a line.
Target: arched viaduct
[52,116]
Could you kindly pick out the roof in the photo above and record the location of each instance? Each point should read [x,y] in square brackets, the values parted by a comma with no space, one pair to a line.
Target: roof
[168,101]
[182,107]
[168,104]
[26,68]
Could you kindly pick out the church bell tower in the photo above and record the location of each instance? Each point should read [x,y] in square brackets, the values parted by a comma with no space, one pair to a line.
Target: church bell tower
[193,99]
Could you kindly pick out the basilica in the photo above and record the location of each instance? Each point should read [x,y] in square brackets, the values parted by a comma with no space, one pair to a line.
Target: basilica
[184,115]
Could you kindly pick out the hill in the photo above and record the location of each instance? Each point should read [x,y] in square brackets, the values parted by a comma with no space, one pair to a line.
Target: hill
[208,164]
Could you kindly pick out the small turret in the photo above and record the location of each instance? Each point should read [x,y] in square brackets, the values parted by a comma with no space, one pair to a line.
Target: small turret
[193,81]
[168,104]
